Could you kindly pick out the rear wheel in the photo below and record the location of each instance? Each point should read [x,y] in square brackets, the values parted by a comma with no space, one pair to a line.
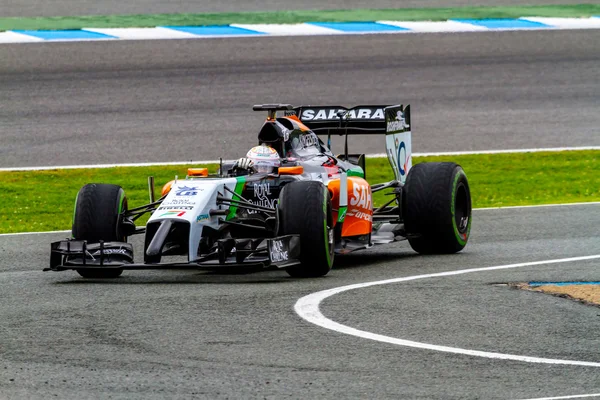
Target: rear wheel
[305,209]
[437,216]
[97,217]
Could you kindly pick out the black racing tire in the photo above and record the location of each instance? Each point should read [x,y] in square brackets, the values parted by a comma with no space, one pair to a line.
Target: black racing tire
[305,209]
[97,210]
[437,215]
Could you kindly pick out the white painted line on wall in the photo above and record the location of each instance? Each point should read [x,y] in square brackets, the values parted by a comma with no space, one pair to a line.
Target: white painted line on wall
[142,33]
[376,155]
[307,308]
[567,23]
[441,26]
[289,29]
[313,29]
[15,37]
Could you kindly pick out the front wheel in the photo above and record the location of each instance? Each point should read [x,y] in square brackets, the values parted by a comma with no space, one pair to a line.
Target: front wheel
[437,215]
[98,210]
[305,209]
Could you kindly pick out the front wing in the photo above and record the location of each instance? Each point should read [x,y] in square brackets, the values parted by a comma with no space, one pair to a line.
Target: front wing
[279,252]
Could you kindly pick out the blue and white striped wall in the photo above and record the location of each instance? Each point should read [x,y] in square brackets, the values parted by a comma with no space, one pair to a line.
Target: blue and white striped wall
[308,28]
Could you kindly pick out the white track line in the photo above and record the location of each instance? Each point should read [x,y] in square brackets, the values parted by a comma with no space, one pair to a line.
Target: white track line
[33,233]
[376,155]
[576,396]
[308,308]
[475,209]
[538,205]
[468,153]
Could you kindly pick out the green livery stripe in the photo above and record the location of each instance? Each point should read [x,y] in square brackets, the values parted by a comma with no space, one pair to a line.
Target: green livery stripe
[239,188]
[342,214]
[356,171]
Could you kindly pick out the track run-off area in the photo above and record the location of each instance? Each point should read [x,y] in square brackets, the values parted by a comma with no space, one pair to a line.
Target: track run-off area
[189,334]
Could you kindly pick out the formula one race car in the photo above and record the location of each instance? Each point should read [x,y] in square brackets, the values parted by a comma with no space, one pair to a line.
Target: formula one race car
[312,207]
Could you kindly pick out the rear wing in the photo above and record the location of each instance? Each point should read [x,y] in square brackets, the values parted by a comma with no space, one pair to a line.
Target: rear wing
[391,121]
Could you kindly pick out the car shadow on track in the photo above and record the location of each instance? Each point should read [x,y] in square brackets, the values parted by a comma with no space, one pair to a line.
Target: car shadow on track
[371,259]
[187,277]
[364,260]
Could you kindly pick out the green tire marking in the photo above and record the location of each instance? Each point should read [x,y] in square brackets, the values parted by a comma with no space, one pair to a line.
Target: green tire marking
[74,211]
[457,234]
[325,194]
[121,200]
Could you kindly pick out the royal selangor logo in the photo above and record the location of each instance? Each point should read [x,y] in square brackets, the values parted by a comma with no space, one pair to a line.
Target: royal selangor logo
[278,251]
[398,124]
[262,193]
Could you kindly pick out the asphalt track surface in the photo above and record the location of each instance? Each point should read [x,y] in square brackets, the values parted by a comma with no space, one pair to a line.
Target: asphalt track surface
[177,100]
[35,8]
[188,334]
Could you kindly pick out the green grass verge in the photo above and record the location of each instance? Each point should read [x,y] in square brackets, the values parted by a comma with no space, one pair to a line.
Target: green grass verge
[499,180]
[43,200]
[290,17]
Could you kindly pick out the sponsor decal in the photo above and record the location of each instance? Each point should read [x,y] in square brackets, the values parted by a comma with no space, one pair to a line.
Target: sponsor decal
[262,191]
[179,202]
[173,213]
[289,113]
[286,133]
[161,208]
[331,114]
[278,251]
[202,217]
[187,191]
[398,124]
[309,140]
[262,151]
[361,215]
[109,251]
[361,196]
[342,213]
[403,158]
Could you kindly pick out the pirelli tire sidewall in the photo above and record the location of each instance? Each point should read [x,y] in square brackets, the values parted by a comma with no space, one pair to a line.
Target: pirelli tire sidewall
[97,217]
[438,210]
[305,209]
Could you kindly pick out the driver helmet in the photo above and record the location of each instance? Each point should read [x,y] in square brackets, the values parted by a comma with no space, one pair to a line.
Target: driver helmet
[265,158]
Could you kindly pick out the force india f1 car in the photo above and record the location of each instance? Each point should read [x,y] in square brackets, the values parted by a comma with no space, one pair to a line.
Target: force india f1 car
[315,206]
